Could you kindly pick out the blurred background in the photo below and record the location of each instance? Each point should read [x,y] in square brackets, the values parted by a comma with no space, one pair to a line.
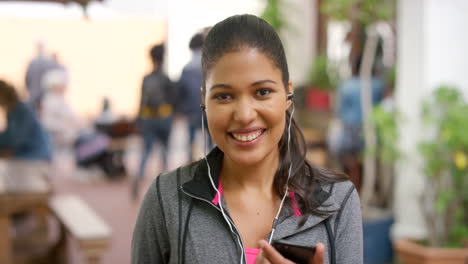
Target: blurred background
[380,93]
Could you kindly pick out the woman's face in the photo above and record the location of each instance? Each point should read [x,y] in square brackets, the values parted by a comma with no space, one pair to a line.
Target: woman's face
[246,102]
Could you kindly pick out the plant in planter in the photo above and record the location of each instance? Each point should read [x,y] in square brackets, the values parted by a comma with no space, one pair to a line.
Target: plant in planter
[322,81]
[385,121]
[445,163]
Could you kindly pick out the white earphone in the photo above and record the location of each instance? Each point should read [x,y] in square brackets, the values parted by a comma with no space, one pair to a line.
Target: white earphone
[290,96]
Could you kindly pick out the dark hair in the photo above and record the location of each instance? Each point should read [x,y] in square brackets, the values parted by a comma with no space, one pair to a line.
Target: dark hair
[8,92]
[157,53]
[237,32]
[196,42]
[240,31]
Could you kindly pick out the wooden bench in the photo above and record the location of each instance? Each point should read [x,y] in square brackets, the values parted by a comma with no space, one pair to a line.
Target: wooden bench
[82,224]
[24,187]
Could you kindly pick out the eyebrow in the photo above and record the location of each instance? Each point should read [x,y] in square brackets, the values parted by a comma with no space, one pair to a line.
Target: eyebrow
[226,86]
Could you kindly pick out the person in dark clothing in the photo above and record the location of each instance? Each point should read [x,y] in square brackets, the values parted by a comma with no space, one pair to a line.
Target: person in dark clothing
[189,98]
[155,115]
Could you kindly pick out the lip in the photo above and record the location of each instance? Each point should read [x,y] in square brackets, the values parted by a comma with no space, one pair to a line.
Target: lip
[246,131]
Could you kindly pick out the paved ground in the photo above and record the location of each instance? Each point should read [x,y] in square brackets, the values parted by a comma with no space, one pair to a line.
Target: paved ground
[111,199]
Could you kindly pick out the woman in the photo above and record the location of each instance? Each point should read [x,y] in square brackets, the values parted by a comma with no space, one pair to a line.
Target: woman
[221,209]
[24,138]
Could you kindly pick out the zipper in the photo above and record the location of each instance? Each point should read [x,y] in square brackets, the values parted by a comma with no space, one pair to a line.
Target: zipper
[228,217]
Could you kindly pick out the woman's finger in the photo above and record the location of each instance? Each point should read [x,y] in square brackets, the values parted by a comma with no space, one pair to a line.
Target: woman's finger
[319,254]
[261,259]
[269,253]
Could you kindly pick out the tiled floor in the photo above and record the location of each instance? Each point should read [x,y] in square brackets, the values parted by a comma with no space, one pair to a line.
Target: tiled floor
[111,199]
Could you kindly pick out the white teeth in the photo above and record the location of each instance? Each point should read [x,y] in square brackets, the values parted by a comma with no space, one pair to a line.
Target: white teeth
[248,137]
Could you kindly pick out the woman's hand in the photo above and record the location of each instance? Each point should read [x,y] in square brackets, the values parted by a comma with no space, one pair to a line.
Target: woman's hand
[269,255]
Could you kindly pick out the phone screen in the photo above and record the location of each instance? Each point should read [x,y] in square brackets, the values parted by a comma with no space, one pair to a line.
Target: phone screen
[295,253]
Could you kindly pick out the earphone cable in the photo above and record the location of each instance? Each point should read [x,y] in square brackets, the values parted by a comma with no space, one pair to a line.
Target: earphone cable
[218,193]
[275,221]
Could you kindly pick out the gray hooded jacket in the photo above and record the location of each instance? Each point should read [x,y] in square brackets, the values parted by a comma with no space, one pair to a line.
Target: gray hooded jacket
[179,223]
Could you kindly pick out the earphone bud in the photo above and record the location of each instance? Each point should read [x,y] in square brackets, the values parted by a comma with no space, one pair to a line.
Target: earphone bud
[202,107]
[290,96]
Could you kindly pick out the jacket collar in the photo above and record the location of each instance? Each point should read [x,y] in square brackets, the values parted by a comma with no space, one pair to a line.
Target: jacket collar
[200,186]
[289,225]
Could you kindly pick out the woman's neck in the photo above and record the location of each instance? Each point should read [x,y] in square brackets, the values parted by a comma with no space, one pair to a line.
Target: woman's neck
[257,178]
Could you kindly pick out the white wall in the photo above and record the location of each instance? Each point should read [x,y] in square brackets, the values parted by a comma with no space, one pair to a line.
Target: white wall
[446,35]
[299,38]
[432,50]
[104,57]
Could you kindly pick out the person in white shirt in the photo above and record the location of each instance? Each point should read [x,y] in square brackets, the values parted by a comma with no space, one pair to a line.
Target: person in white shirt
[56,113]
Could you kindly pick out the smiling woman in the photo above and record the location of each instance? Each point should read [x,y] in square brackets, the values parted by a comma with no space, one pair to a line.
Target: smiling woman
[256,184]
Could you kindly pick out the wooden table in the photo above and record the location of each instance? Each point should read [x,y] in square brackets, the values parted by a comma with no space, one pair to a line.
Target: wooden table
[23,187]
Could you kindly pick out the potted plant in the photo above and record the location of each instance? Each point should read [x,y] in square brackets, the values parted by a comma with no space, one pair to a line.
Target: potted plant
[445,200]
[322,81]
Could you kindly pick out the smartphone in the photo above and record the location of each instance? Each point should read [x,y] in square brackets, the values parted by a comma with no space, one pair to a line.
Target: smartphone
[295,253]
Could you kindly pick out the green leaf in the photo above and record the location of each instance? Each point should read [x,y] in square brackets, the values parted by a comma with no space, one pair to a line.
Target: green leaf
[443,199]
[365,11]
[322,74]
[272,14]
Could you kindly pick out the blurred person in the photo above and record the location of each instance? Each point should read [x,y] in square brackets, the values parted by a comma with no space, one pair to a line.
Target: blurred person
[155,115]
[189,98]
[107,116]
[56,113]
[24,137]
[350,142]
[36,70]
[256,184]
[58,64]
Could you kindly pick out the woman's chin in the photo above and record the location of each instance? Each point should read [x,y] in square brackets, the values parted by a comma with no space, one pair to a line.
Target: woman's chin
[247,158]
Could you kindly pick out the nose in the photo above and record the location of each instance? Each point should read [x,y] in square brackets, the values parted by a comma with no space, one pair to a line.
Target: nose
[245,111]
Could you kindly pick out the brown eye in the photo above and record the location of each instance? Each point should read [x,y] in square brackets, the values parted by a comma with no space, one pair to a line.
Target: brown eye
[263,92]
[222,97]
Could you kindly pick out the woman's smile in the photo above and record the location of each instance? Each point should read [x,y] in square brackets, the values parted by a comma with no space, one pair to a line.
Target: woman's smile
[246,135]
[247,139]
